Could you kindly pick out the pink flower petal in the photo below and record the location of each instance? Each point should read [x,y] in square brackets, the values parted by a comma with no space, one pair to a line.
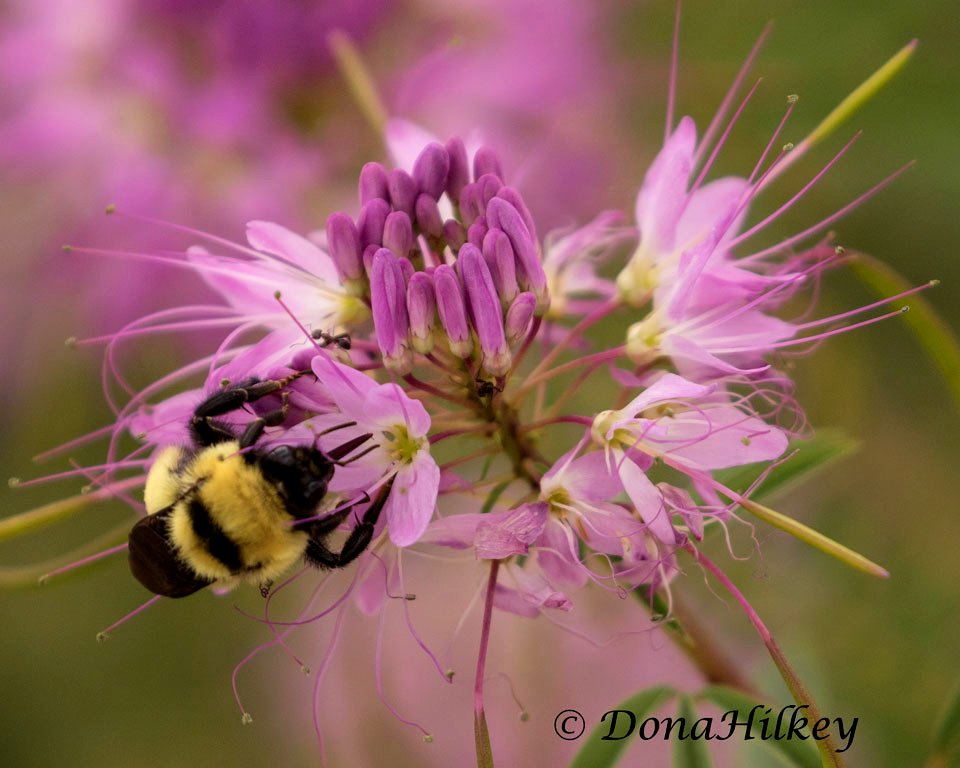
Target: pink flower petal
[455,531]
[586,478]
[413,499]
[349,387]
[707,207]
[668,387]
[558,555]
[511,601]
[647,501]
[511,534]
[280,241]
[535,590]
[662,195]
[608,525]
[717,437]
[388,405]
[693,360]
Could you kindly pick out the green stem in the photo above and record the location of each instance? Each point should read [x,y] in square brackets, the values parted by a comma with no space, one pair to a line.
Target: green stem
[359,80]
[481,732]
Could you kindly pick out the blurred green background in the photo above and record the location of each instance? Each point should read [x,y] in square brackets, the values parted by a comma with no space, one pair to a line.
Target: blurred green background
[158,693]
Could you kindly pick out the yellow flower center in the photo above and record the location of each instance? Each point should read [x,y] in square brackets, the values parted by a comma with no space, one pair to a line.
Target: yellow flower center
[401,445]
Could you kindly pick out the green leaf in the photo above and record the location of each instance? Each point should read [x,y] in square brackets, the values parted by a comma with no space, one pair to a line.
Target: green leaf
[934,334]
[946,740]
[812,537]
[849,106]
[598,753]
[793,752]
[811,456]
[689,752]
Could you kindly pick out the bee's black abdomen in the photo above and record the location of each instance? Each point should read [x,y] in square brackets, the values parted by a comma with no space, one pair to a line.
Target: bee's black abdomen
[154,562]
[215,541]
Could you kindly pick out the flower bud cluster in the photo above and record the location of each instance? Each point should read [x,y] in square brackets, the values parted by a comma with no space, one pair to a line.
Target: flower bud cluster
[447,254]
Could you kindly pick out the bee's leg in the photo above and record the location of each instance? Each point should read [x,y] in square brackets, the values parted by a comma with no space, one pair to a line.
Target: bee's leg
[357,541]
[273,419]
[207,431]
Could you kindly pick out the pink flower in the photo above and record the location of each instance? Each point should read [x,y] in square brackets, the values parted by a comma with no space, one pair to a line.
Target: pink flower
[500,536]
[401,455]
[684,264]
[279,261]
[574,507]
[694,428]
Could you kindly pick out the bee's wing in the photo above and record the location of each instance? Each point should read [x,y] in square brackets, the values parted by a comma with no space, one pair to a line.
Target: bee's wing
[154,561]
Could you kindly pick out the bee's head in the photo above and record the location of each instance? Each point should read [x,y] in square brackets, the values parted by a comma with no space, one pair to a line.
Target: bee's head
[300,474]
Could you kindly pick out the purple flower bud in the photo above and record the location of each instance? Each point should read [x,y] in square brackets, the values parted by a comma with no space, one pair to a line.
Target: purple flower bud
[477,232]
[373,183]
[459,174]
[489,185]
[455,234]
[430,170]
[516,200]
[485,310]
[406,269]
[398,233]
[421,309]
[471,203]
[403,191]
[428,216]
[452,310]
[388,300]
[502,215]
[519,316]
[486,161]
[368,253]
[370,222]
[502,262]
[343,242]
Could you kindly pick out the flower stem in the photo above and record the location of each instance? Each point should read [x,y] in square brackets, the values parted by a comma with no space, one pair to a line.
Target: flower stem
[798,690]
[534,425]
[575,332]
[423,386]
[514,444]
[595,359]
[481,733]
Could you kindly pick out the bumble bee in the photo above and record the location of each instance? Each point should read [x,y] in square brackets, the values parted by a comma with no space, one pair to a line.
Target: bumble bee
[223,510]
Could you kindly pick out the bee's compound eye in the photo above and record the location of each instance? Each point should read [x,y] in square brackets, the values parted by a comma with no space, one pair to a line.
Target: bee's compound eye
[282,453]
